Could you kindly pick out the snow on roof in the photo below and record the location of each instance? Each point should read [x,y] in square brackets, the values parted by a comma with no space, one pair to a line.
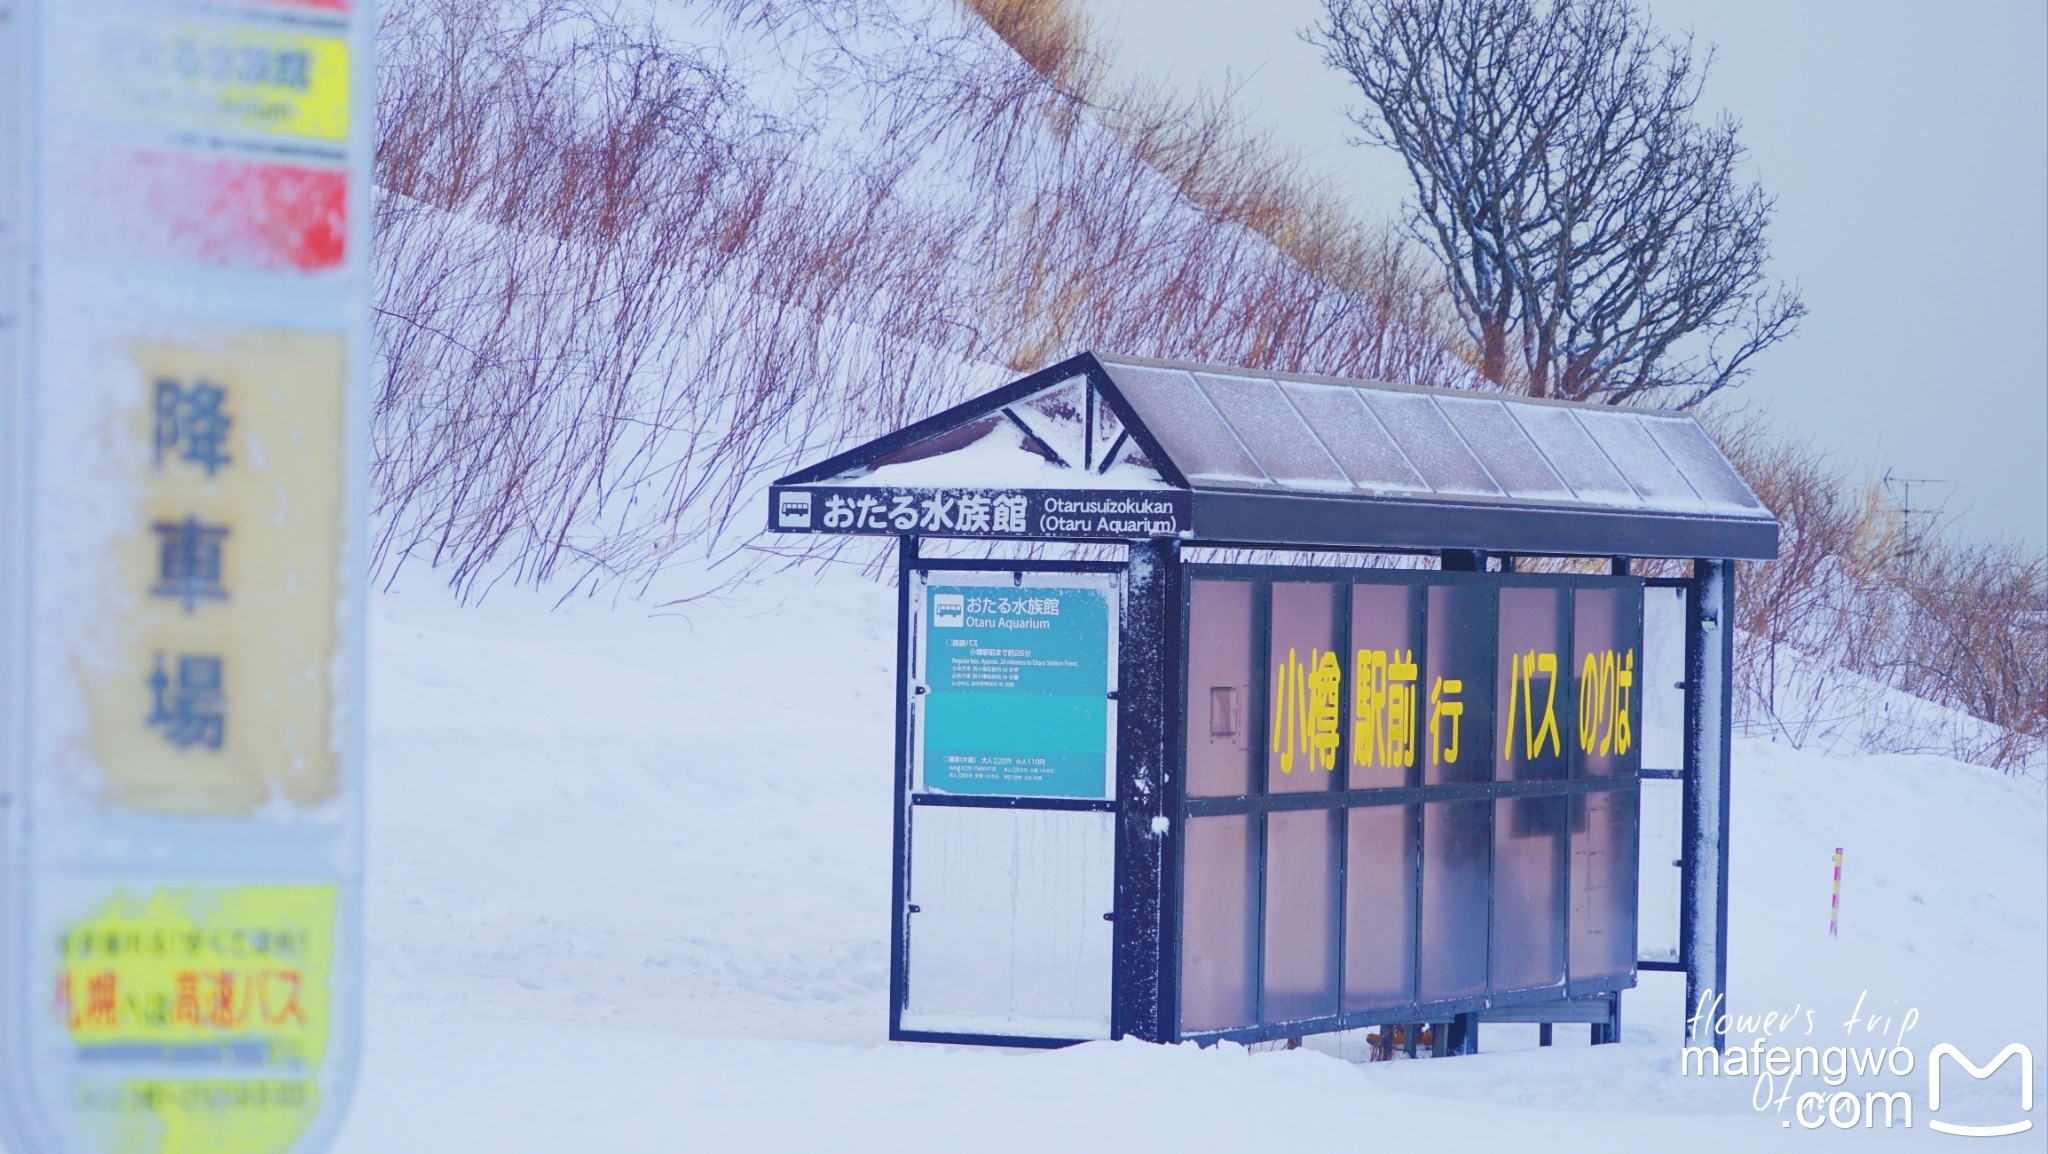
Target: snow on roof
[1047,440]
[1238,429]
[1281,459]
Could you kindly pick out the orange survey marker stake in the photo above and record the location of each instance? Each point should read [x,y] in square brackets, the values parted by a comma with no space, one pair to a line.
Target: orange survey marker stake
[1835,902]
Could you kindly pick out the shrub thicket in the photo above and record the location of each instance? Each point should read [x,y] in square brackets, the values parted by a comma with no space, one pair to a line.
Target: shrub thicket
[622,281]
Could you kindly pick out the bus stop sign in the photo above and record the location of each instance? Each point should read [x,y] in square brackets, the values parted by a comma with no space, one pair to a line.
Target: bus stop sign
[184,337]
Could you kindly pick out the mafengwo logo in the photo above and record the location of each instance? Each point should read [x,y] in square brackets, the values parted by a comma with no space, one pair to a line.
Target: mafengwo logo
[2016,1050]
[949,610]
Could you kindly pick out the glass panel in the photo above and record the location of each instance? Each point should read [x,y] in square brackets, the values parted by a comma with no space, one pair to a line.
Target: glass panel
[1533,684]
[1704,467]
[1305,679]
[1106,427]
[1219,746]
[1574,455]
[1660,687]
[1609,709]
[1386,690]
[1604,885]
[1504,448]
[1276,435]
[1379,910]
[1457,702]
[1186,424]
[1301,914]
[1528,892]
[1648,470]
[1055,417]
[1219,952]
[1660,880]
[1430,443]
[1009,936]
[1354,436]
[1455,848]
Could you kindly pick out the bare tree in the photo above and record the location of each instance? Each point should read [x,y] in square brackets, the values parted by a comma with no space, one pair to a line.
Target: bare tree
[1598,241]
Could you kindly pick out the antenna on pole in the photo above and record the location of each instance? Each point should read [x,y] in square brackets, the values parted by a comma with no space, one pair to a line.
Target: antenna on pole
[1903,487]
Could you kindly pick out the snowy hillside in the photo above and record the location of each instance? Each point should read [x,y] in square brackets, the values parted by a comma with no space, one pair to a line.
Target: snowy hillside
[629,886]
[632,266]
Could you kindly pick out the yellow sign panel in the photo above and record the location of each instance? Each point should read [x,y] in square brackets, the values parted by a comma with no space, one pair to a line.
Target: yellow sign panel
[226,77]
[229,983]
[219,698]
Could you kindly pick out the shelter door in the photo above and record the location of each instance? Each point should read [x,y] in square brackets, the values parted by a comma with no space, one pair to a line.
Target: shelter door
[1011,791]
[1665,697]
[1008,936]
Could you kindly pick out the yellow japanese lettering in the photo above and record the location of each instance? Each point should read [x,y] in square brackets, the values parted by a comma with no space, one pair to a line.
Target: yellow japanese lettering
[1443,706]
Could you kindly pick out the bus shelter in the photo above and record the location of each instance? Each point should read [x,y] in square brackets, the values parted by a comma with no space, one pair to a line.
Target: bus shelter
[1227,782]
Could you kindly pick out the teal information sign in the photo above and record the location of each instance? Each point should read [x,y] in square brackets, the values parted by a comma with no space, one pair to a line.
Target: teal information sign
[1017,698]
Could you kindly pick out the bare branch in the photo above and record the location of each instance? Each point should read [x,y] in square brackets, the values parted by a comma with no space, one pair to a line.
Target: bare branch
[1589,227]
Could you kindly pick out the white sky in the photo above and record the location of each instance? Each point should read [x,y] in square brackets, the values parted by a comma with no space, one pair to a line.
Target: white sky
[1907,145]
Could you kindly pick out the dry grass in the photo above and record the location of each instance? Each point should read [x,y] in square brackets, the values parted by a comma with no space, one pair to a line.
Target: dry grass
[1205,148]
[1852,606]
[616,293]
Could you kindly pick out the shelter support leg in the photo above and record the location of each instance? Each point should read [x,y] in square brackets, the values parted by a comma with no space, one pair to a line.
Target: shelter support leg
[1609,1031]
[1703,929]
[1143,987]
[1464,1034]
[899,872]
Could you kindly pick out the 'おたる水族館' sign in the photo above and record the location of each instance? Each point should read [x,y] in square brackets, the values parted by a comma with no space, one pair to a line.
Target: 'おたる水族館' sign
[1244,705]
[1017,682]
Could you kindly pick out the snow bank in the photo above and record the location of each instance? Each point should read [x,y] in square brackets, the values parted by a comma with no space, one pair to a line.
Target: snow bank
[629,889]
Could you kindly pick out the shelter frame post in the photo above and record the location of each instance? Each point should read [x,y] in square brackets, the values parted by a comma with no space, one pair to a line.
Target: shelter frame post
[1148,699]
[1703,928]
[899,876]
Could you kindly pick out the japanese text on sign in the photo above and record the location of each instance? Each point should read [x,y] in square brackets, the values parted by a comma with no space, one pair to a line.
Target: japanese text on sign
[963,512]
[1384,709]
[936,513]
[1445,716]
[1523,670]
[1307,700]
[1606,681]
[1017,690]
[229,575]
[203,996]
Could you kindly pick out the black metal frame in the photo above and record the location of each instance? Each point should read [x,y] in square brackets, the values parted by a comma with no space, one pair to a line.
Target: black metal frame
[1150,656]
[1291,519]
[907,799]
[1340,799]
[1709,730]
[1150,804]
[1151,780]
[1081,364]
[1255,520]
[1688,588]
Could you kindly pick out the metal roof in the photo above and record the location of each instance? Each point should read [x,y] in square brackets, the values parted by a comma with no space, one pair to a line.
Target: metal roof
[1286,460]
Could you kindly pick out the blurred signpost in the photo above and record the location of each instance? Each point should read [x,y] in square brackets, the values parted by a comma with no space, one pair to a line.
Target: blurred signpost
[184,340]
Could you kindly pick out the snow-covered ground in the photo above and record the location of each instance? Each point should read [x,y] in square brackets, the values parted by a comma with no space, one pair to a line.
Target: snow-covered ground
[629,889]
